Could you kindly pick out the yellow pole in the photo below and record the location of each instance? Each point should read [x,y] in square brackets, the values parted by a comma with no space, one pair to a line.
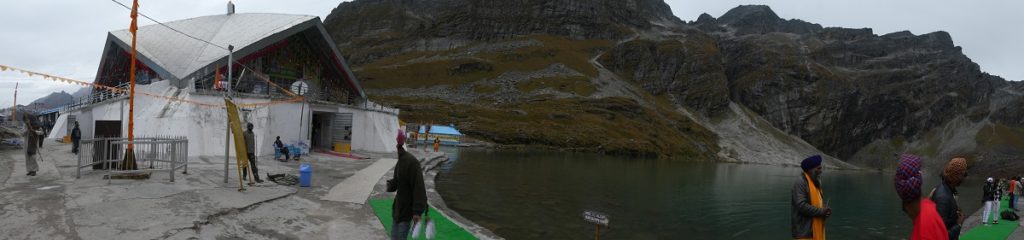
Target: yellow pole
[597,232]
[241,154]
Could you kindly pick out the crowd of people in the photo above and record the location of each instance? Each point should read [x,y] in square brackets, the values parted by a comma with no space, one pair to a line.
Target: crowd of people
[936,215]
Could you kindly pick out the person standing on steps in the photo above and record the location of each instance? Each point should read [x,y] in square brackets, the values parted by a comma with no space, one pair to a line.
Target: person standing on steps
[808,206]
[437,143]
[989,197]
[944,196]
[411,197]
[250,147]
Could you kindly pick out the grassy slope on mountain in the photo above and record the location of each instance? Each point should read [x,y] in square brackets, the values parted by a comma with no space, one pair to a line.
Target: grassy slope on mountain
[615,125]
[429,68]
[612,125]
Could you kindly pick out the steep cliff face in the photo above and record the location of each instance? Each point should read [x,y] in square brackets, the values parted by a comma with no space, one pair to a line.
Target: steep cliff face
[845,92]
[496,19]
[375,28]
[840,89]
[688,68]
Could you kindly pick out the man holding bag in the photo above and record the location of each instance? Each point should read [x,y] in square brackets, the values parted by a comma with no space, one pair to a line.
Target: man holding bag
[411,199]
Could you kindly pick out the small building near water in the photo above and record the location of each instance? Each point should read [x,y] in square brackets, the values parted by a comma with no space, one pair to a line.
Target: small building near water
[448,135]
[287,75]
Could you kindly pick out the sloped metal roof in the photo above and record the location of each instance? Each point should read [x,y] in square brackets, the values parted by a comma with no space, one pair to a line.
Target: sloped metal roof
[176,56]
[441,129]
[181,55]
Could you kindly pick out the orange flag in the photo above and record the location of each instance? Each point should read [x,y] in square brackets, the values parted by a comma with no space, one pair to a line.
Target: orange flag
[135,17]
[216,80]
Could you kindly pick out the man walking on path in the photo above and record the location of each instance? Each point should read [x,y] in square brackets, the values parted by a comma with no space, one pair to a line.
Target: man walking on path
[31,147]
[411,199]
[945,196]
[927,222]
[989,197]
[808,206]
[76,137]
[250,147]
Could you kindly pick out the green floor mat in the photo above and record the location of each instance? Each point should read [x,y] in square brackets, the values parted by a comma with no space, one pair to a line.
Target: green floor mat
[994,231]
[445,228]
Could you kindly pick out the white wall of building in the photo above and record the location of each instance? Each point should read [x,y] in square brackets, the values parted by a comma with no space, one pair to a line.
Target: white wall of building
[290,121]
[205,126]
[373,131]
[60,128]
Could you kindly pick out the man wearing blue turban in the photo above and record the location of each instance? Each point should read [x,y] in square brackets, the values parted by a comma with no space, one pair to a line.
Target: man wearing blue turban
[809,211]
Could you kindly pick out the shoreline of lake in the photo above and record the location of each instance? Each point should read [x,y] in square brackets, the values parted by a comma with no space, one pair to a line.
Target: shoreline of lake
[536,194]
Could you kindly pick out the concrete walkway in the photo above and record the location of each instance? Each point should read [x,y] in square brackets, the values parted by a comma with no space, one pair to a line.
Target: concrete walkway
[430,161]
[357,188]
[972,224]
[199,205]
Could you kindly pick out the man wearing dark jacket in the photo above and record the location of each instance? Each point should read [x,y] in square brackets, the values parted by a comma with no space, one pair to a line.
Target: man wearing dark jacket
[808,210]
[31,148]
[76,138]
[411,199]
[250,147]
[945,196]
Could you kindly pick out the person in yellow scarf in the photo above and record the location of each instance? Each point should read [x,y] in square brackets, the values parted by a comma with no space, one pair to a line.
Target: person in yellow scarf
[809,210]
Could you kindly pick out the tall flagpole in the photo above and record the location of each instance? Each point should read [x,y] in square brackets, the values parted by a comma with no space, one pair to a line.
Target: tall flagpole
[15,114]
[130,158]
[227,128]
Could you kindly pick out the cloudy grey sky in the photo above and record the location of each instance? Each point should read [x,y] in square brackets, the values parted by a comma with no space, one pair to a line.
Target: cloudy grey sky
[989,31]
[65,37]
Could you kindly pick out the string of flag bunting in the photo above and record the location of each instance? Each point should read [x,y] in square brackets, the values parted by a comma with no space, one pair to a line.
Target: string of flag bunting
[51,77]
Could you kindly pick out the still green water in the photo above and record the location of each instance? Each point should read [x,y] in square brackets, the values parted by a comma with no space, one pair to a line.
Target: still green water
[541,195]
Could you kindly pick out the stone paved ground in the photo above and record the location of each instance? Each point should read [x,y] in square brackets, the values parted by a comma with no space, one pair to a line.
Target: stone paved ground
[199,205]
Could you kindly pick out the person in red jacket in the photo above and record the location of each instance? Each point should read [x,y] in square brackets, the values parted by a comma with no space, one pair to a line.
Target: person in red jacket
[928,224]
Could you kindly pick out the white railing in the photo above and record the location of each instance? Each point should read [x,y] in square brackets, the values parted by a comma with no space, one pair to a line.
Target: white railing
[152,154]
[94,97]
[372,106]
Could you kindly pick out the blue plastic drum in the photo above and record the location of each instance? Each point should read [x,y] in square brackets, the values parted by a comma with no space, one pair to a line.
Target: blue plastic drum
[305,175]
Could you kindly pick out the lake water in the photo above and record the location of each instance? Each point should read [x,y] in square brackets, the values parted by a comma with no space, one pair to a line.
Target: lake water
[521,194]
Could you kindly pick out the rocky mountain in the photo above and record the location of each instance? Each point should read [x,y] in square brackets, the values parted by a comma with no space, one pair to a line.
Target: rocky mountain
[629,77]
[81,93]
[56,99]
[51,100]
[377,28]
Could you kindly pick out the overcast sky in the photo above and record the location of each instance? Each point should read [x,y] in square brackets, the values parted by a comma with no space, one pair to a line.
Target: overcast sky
[65,37]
